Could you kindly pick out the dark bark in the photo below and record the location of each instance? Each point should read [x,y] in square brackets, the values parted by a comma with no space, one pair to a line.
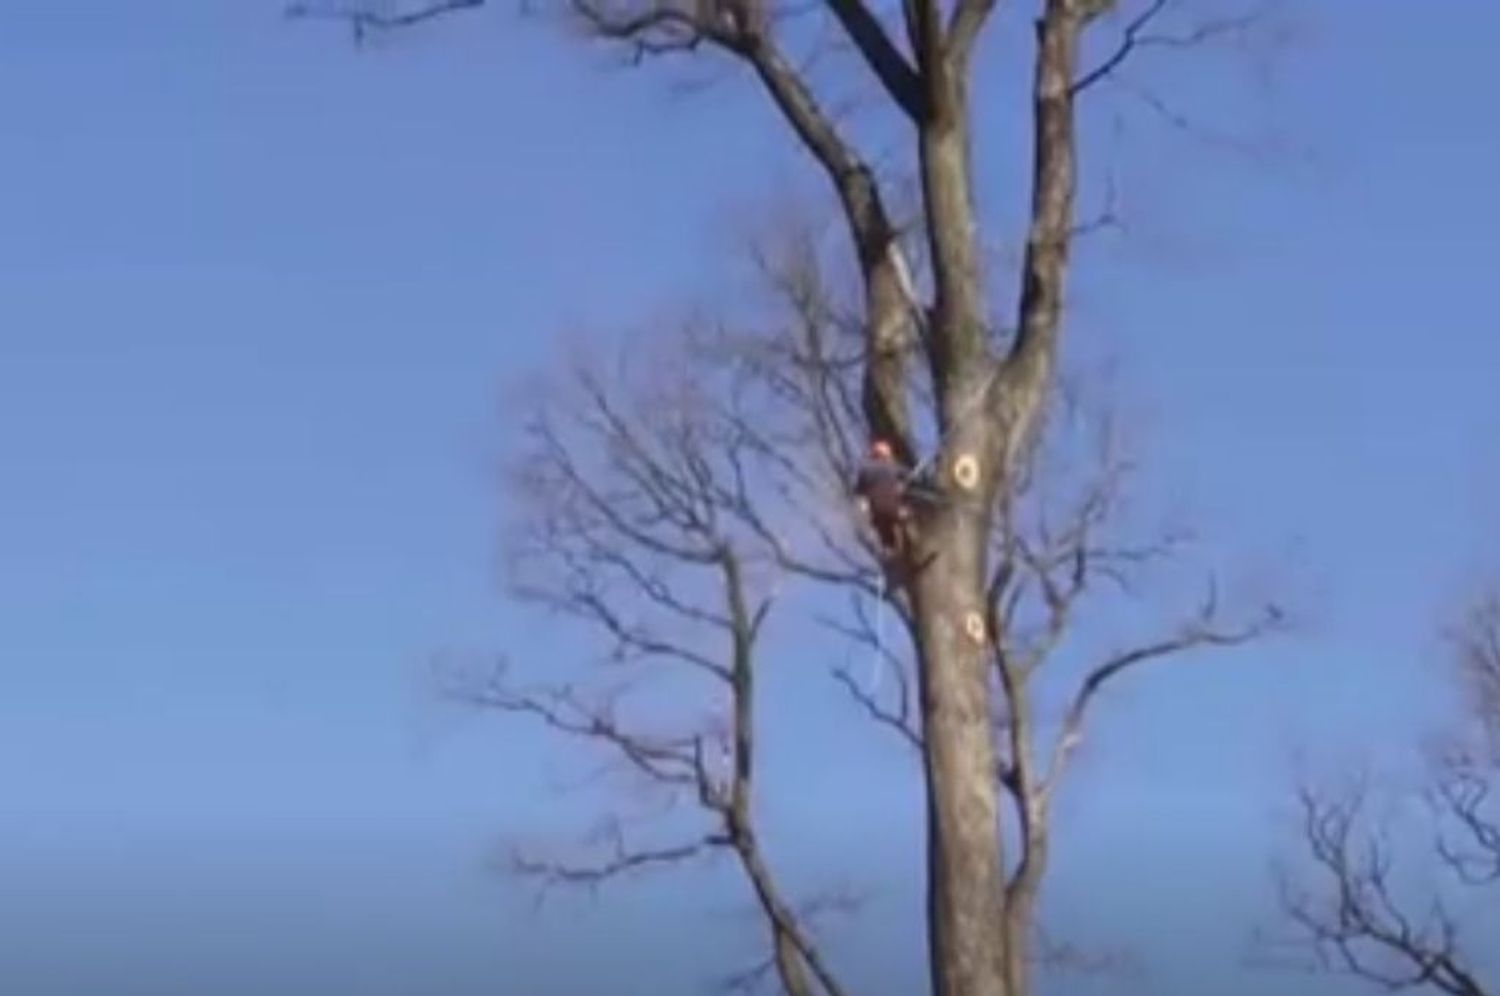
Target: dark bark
[884,59]
[888,312]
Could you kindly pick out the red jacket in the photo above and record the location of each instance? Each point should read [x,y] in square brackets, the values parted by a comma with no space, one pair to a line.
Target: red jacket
[882,483]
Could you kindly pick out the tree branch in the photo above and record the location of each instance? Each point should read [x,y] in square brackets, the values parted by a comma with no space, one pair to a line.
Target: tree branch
[898,720]
[362,20]
[622,861]
[659,27]
[668,760]
[1136,38]
[675,483]
[1130,41]
[792,946]
[1478,647]
[882,56]
[1460,797]
[1028,367]
[1200,632]
[735,27]
[1031,796]
[1352,920]
[968,20]
[1360,929]
[743,29]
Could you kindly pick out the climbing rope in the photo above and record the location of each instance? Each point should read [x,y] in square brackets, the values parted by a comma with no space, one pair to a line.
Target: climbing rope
[966,469]
[959,417]
[877,661]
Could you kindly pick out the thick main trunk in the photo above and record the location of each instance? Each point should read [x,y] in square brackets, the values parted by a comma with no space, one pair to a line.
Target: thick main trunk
[965,875]
[978,931]
[965,864]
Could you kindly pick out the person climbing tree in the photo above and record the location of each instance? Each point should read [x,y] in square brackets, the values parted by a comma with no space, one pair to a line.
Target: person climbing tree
[881,488]
[948,361]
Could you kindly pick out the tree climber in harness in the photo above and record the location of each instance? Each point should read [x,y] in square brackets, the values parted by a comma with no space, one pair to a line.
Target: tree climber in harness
[881,490]
[885,491]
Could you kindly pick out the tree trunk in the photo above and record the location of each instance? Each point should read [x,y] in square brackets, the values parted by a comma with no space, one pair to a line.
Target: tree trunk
[965,873]
[978,932]
[966,883]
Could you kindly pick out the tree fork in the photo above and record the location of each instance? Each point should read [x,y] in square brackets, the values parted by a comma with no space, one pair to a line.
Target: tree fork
[978,927]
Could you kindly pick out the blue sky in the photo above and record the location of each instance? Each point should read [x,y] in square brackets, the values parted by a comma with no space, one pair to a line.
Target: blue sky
[260,296]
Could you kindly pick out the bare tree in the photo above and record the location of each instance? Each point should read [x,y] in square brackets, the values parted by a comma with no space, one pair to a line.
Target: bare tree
[670,510]
[955,392]
[1351,911]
